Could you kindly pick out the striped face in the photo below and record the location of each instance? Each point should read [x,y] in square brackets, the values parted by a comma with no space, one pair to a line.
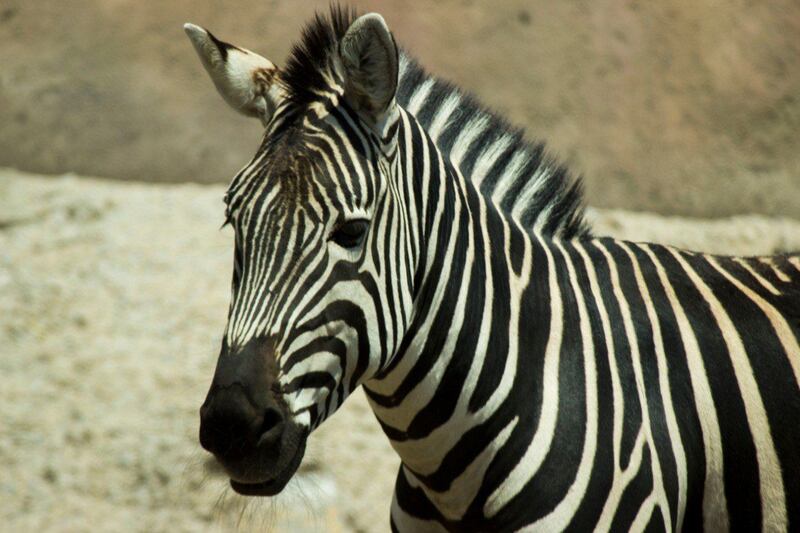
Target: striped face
[319,244]
[307,265]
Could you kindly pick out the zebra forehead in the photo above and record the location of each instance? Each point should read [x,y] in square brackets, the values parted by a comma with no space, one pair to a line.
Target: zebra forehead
[288,177]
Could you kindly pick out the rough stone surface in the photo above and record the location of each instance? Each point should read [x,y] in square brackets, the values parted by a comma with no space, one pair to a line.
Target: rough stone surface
[678,107]
[112,300]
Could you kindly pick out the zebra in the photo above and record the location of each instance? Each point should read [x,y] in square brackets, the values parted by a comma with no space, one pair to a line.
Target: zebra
[530,377]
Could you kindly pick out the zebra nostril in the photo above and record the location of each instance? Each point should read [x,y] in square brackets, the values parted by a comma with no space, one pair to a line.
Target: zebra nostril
[230,424]
[271,427]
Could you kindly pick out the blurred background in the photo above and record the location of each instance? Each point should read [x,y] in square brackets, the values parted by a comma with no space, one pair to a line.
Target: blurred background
[677,107]
[683,117]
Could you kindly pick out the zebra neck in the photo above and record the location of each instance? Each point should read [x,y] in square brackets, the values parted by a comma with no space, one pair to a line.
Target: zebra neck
[457,359]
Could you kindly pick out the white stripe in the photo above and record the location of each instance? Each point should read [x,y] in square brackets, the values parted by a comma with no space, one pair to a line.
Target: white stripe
[539,446]
[633,341]
[780,274]
[511,171]
[715,507]
[664,388]
[486,159]
[561,515]
[779,325]
[617,485]
[773,499]
[646,510]
[621,482]
[464,140]
[455,501]
[529,191]
[420,95]
[764,283]
[443,114]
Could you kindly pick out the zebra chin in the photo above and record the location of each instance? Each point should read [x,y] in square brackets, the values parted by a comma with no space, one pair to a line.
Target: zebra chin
[248,479]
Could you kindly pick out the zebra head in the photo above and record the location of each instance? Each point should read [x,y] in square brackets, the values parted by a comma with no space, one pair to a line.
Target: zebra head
[321,244]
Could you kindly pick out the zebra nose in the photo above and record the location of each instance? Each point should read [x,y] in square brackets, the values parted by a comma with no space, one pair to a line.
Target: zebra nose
[232,427]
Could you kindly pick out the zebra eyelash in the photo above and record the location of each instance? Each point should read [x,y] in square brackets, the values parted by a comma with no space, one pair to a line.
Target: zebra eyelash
[350,233]
[229,218]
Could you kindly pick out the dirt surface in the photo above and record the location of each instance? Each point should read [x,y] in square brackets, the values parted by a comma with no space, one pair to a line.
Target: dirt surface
[112,302]
[671,106]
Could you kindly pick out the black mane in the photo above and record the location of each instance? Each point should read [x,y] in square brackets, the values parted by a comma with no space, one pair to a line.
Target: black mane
[560,193]
[302,77]
[559,196]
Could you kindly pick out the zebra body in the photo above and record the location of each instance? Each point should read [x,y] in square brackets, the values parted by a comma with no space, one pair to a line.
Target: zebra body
[597,382]
[526,380]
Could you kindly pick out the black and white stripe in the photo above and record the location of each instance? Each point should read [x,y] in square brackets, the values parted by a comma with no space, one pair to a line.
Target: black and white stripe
[527,380]
[592,383]
[516,175]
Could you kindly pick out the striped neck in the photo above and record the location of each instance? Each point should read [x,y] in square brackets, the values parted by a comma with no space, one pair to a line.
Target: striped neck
[424,401]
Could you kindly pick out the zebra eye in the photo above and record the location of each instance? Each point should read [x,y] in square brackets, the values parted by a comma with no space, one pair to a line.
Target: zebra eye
[350,233]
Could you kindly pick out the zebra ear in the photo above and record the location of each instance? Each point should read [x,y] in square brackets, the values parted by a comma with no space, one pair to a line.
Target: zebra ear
[370,65]
[245,80]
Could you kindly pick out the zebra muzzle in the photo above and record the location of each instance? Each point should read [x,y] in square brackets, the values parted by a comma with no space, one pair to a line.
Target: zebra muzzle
[247,426]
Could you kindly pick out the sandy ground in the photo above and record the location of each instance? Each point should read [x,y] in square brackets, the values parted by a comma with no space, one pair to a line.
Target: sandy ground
[112,300]
[678,107]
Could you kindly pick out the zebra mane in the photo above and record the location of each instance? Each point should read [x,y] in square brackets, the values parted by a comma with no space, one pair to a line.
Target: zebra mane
[304,75]
[515,174]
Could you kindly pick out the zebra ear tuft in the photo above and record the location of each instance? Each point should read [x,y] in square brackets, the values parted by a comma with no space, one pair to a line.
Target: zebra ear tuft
[369,59]
[244,79]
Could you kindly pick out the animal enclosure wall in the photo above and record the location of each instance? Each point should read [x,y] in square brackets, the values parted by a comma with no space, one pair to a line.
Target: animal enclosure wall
[676,107]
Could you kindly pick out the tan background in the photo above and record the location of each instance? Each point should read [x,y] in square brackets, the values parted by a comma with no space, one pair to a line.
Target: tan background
[675,106]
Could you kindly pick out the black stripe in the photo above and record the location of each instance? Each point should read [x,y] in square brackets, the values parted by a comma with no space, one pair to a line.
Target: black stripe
[682,393]
[632,414]
[740,468]
[650,373]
